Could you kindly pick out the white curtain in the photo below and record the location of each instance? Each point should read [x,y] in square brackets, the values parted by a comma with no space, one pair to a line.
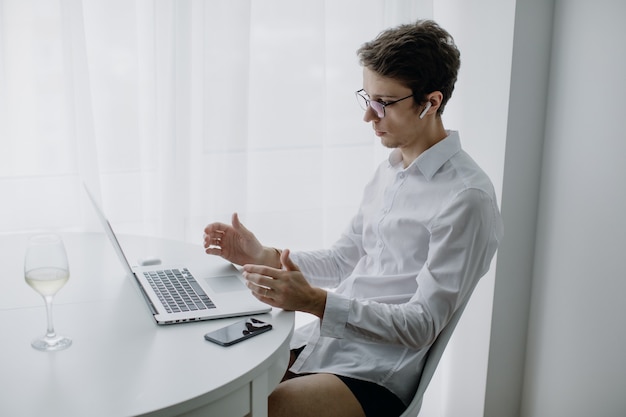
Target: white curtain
[177,113]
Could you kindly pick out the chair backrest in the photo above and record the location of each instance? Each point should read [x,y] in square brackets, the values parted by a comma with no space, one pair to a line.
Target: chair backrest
[432,360]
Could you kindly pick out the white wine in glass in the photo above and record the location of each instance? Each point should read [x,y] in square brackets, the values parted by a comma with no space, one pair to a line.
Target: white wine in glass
[46,270]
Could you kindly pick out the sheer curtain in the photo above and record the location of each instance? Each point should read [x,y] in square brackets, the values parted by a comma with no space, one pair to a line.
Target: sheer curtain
[178,113]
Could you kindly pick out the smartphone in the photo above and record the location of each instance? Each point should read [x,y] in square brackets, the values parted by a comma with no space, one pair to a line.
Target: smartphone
[236,332]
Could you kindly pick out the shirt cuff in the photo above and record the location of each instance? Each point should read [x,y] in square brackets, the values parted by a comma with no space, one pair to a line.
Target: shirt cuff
[336,315]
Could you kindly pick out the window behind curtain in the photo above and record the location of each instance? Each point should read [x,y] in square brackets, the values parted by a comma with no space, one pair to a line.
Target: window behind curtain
[178,113]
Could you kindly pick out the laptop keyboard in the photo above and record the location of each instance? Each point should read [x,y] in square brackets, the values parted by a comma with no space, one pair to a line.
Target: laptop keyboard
[178,290]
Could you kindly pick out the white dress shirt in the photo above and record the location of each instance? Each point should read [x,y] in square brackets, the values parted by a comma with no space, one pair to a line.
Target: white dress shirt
[414,252]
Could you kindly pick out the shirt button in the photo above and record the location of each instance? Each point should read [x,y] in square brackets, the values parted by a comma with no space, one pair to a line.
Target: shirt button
[401,175]
[380,243]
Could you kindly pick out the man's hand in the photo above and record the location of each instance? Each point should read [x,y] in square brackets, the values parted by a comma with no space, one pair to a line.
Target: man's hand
[285,288]
[235,243]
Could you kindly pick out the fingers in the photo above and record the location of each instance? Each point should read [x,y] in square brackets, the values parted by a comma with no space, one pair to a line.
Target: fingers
[235,221]
[286,261]
[213,240]
[259,276]
[214,227]
[215,232]
[276,281]
[262,293]
[286,289]
[260,287]
[238,226]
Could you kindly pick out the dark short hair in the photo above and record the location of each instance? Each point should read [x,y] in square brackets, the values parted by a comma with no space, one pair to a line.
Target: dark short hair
[422,56]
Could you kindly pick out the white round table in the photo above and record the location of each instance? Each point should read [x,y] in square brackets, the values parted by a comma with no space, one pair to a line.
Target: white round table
[121,363]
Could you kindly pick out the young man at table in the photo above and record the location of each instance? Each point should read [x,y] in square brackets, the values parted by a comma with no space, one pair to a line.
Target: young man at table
[426,231]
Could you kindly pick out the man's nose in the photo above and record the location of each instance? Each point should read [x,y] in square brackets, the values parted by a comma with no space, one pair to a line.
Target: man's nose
[370,115]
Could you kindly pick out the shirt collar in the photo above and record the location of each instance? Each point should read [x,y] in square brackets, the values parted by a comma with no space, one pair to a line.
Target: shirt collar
[434,157]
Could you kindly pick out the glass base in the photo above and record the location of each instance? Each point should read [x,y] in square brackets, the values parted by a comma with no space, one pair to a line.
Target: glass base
[51,344]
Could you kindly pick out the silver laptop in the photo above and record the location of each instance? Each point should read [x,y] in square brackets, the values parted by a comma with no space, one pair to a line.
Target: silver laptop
[177,294]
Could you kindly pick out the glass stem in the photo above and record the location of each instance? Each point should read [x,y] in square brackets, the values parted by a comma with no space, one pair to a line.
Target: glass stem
[50,334]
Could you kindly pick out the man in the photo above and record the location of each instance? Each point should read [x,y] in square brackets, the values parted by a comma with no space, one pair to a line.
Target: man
[426,231]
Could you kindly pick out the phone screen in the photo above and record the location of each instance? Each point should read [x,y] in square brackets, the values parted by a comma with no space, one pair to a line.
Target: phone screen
[236,332]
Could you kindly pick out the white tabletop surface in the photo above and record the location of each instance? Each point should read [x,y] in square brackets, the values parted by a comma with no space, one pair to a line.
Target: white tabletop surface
[121,363]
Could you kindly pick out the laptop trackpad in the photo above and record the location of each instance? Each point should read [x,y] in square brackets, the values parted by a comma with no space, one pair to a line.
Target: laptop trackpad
[228,283]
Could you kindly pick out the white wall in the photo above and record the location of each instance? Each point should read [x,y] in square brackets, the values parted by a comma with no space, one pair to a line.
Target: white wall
[576,353]
[558,338]
[527,105]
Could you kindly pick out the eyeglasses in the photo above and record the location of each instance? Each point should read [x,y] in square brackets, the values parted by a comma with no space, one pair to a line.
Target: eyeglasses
[377,105]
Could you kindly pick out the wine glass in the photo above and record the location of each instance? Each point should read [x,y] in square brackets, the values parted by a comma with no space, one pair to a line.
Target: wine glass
[46,270]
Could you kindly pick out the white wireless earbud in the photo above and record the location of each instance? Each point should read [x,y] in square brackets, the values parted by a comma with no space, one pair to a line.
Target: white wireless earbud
[426,108]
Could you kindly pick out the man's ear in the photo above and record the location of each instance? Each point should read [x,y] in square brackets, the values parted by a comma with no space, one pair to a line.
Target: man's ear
[433,101]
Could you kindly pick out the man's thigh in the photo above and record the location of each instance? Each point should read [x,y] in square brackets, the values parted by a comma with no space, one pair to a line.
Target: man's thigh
[315,395]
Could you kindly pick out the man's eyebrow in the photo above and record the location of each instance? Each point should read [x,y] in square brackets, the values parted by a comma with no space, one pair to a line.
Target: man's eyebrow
[389,97]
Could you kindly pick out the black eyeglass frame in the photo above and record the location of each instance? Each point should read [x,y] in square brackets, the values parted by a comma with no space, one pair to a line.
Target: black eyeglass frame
[383,104]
